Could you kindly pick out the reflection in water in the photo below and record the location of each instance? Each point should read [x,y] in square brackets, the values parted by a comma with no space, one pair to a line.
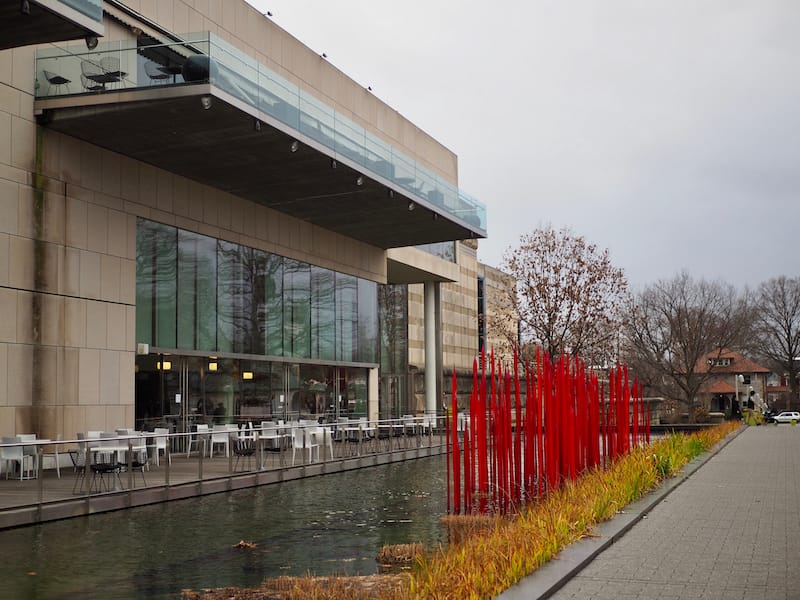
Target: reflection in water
[330,524]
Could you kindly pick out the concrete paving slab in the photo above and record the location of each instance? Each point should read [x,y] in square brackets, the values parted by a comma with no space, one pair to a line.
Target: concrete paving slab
[681,551]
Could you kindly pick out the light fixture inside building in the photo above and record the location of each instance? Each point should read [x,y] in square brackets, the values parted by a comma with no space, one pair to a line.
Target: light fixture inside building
[25,7]
[391,193]
[247,375]
[295,146]
[411,206]
[257,125]
[360,180]
[91,41]
[435,216]
[164,366]
[212,366]
[334,164]
[205,102]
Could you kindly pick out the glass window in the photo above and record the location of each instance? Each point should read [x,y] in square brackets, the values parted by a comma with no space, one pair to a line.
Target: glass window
[367,321]
[346,316]
[145,281]
[236,299]
[256,389]
[273,305]
[165,285]
[392,391]
[296,308]
[227,282]
[323,325]
[197,291]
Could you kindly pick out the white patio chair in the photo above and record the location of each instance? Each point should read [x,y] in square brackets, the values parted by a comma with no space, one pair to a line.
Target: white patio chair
[54,455]
[30,451]
[302,441]
[220,434]
[321,436]
[194,440]
[15,455]
[161,439]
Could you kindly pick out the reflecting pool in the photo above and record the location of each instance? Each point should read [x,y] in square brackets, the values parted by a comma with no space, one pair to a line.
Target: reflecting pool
[330,524]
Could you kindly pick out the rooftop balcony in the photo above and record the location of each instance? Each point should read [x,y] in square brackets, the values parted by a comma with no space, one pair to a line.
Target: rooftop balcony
[205,110]
[40,21]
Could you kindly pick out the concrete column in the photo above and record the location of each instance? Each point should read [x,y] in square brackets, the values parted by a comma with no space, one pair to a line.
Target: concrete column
[430,347]
[372,395]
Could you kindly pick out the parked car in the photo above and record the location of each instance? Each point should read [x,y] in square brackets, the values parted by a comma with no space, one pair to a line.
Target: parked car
[786,416]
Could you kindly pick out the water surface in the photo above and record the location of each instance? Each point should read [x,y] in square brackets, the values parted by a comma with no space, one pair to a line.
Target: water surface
[329,524]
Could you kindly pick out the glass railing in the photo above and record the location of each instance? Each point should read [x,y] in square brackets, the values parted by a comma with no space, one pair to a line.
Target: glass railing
[444,250]
[91,8]
[205,58]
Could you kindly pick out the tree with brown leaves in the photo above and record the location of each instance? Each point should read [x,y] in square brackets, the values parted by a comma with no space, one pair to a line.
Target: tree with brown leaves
[568,295]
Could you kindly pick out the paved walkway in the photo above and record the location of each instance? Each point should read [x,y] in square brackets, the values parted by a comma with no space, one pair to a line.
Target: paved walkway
[730,530]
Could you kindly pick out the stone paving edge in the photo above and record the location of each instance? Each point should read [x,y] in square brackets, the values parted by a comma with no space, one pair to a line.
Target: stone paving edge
[550,577]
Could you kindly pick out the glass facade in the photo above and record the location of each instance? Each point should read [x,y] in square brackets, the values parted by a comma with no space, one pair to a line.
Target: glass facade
[246,335]
[198,293]
[394,378]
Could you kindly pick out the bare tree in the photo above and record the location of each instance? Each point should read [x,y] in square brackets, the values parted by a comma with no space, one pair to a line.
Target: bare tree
[778,327]
[568,296]
[673,325]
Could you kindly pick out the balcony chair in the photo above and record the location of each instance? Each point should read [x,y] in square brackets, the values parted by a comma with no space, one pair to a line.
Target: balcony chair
[56,80]
[110,66]
[154,73]
[95,73]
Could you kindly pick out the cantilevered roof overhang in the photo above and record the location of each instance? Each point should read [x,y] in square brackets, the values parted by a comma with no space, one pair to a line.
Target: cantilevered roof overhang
[42,21]
[219,136]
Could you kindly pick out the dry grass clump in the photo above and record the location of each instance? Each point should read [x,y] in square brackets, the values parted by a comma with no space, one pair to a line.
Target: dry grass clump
[387,587]
[462,527]
[402,555]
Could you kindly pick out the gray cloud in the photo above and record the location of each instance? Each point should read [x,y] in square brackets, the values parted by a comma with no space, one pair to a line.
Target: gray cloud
[665,131]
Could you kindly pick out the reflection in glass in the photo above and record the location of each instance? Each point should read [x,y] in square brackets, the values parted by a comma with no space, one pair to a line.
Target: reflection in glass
[367,319]
[296,308]
[194,292]
[197,291]
[323,331]
[393,305]
[346,316]
[273,305]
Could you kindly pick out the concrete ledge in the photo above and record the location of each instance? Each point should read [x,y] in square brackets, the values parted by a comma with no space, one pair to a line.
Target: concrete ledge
[550,577]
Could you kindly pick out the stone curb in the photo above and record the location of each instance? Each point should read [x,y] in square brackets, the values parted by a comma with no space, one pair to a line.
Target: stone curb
[550,577]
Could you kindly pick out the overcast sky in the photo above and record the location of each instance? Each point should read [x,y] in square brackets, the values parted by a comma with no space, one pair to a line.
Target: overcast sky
[665,131]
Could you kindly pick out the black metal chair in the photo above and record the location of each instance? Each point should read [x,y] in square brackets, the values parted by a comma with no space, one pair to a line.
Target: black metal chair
[78,458]
[244,449]
[102,473]
[139,462]
[56,80]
